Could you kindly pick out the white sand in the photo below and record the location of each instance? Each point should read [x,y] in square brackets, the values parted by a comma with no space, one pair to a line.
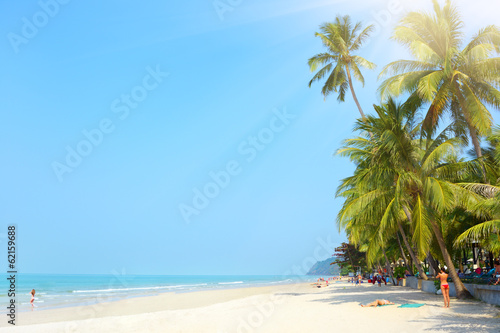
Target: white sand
[292,308]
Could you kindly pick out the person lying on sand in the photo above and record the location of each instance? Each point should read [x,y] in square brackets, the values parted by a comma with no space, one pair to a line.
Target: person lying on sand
[378,302]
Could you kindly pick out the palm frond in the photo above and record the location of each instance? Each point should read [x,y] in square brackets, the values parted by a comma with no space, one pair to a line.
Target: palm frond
[479,231]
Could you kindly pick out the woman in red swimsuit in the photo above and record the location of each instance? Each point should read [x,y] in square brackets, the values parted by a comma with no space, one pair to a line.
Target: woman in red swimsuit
[445,288]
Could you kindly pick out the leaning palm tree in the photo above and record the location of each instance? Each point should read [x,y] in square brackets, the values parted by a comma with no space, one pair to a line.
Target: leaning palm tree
[341,40]
[412,178]
[382,161]
[460,82]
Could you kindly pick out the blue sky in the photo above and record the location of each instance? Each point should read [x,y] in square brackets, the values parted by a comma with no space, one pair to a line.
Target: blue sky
[173,95]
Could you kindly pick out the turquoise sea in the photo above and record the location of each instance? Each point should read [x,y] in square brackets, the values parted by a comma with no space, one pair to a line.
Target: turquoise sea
[60,290]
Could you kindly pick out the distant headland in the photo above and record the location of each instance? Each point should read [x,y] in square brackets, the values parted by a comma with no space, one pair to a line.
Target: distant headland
[324,268]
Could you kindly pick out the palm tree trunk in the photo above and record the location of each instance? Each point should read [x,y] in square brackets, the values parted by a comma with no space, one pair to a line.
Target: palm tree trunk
[388,267]
[477,147]
[353,93]
[475,140]
[403,254]
[410,250]
[472,130]
[432,262]
[460,289]
[350,259]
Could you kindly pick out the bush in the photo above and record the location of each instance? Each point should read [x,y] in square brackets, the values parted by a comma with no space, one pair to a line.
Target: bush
[437,284]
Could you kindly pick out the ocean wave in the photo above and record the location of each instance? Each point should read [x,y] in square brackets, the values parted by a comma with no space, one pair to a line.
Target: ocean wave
[281,281]
[36,301]
[138,288]
[235,282]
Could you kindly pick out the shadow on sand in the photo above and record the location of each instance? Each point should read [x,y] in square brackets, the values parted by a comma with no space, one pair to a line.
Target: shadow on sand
[477,316]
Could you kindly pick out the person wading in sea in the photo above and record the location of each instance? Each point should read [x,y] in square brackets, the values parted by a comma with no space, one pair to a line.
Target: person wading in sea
[32,298]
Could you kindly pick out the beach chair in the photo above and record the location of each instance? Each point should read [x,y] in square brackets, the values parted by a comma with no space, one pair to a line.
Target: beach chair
[489,277]
[484,278]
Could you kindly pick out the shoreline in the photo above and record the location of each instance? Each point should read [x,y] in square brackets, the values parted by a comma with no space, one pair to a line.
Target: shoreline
[79,290]
[168,301]
[107,298]
[284,308]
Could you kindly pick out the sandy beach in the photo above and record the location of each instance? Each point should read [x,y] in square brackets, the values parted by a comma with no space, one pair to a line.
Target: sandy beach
[289,308]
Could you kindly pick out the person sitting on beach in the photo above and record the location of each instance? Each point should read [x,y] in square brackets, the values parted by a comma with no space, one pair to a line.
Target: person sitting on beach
[497,272]
[445,288]
[399,279]
[377,302]
[32,297]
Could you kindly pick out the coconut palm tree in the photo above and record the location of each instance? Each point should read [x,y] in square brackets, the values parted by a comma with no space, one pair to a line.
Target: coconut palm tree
[433,193]
[341,39]
[460,81]
[407,177]
[371,193]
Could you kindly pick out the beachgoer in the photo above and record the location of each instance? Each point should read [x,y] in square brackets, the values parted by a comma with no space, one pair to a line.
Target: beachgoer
[378,302]
[497,272]
[32,297]
[445,288]
[379,280]
[360,278]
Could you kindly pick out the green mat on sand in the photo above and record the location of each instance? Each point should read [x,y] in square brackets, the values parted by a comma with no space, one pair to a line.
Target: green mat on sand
[414,305]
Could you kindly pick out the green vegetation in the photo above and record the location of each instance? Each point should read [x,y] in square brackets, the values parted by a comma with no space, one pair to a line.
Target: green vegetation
[349,259]
[415,194]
